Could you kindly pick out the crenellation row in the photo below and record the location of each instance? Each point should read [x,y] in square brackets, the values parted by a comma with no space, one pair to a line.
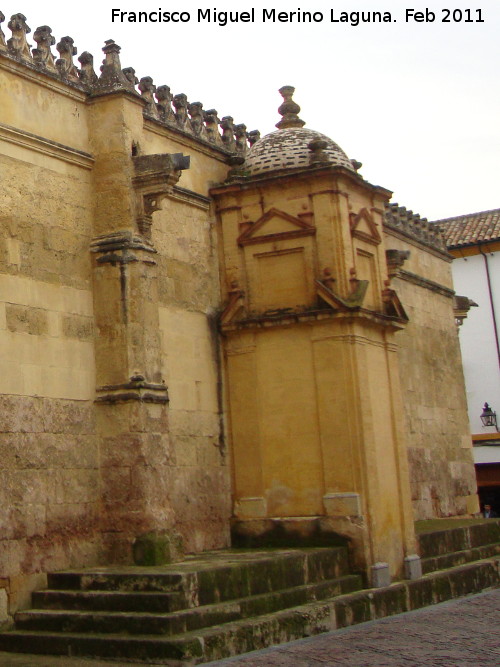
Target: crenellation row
[399,217]
[190,117]
[160,104]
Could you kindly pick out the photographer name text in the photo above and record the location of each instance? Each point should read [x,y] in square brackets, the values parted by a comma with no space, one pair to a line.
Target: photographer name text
[352,18]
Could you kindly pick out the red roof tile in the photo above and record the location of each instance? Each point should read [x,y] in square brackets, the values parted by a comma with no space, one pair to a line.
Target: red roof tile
[470,229]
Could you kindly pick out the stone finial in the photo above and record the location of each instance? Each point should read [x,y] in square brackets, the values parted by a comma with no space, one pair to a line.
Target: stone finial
[18,44]
[129,73]
[240,134]
[318,156]
[356,165]
[42,54]
[253,137]
[164,98]
[227,128]
[87,74]
[3,43]
[112,78]
[180,103]
[65,64]
[289,110]
[195,110]
[148,89]
[212,122]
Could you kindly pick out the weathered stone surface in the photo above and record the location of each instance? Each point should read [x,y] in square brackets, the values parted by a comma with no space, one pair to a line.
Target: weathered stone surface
[442,474]
[219,604]
[114,266]
[23,319]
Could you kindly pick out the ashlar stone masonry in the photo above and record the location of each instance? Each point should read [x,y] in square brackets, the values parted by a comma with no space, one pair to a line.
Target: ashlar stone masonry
[182,361]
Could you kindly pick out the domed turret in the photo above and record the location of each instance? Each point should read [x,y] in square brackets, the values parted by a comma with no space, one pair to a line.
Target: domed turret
[289,147]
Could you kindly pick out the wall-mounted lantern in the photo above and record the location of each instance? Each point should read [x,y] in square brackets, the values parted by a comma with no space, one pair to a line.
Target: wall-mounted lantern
[488,416]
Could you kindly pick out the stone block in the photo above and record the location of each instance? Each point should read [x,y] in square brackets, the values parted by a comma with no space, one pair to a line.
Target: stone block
[24,319]
[380,575]
[77,326]
[413,567]
[250,507]
[157,548]
[342,504]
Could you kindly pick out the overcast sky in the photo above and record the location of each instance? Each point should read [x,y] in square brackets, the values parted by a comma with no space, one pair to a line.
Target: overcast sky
[417,103]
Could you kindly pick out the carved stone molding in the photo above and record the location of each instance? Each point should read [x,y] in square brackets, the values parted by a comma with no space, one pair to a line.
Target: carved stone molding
[364,227]
[352,302]
[118,248]
[425,283]
[155,177]
[138,389]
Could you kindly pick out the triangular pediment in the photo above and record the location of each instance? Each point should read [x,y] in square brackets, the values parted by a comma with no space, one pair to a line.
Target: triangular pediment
[393,306]
[275,224]
[363,226]
[233,308]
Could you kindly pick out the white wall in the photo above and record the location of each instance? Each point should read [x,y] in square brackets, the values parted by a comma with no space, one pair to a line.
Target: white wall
[477,336]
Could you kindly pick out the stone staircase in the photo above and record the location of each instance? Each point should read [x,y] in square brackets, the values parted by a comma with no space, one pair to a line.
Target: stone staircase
[224,603]
[441,549]
[207,607]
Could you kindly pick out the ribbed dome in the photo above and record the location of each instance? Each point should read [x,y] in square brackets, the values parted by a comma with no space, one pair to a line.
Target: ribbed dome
[288,149]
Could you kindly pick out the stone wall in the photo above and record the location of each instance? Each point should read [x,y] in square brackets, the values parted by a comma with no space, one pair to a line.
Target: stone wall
[438,435]
[112,425]
[48,446]
[80,479]
[189,302]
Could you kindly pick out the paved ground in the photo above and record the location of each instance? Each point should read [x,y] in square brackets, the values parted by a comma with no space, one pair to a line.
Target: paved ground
[461,633]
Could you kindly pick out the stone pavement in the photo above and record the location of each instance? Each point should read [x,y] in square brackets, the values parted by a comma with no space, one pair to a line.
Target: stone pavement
[460,633]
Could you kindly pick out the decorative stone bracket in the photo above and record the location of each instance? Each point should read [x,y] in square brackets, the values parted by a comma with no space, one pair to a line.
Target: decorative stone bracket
[138,389]
[154,179]
[353,301]
[461,307]
[395,260]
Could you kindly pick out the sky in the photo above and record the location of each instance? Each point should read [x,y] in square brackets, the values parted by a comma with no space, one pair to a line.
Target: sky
[417,101]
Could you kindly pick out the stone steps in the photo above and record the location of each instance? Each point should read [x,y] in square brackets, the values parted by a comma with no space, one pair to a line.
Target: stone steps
[222,604]
[109,601]
[442,549]
[445,561]
[143,618]
[240,636]
[174,614]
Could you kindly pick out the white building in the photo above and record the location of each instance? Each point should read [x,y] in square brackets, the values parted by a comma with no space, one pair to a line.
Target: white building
[474,242]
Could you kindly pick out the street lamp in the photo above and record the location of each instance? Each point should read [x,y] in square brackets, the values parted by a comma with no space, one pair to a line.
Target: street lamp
[488,416]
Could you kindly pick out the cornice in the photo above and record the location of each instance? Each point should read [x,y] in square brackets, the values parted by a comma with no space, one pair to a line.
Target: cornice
[46,146]
[43,78]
